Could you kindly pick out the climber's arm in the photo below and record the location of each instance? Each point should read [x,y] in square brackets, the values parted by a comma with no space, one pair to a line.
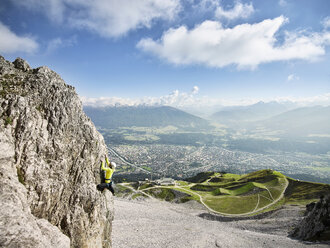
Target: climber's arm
[107,160]
[104,168]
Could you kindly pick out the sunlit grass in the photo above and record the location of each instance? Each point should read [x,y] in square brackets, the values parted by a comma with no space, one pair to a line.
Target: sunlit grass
[248,194]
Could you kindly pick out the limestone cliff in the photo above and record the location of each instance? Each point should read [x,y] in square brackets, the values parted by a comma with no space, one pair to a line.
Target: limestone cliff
[49,164]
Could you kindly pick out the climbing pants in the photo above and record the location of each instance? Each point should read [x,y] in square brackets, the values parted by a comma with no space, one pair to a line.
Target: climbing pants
[103,186]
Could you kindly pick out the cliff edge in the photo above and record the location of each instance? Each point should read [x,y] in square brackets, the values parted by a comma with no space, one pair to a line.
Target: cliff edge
[49,164]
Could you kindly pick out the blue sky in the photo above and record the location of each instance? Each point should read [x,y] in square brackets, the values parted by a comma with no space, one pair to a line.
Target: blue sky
[176,52]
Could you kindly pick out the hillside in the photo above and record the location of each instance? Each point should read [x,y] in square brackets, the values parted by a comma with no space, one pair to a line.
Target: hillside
[142,116]
[221,210]
[232,194]
[49,164]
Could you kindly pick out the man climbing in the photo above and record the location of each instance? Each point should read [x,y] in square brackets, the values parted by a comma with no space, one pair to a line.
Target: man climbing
[108,174]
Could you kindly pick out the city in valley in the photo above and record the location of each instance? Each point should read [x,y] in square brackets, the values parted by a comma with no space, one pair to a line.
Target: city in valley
[167,142]
[178,161]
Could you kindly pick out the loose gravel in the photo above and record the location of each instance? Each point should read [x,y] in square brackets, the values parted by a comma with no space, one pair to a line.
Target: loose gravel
[152,223]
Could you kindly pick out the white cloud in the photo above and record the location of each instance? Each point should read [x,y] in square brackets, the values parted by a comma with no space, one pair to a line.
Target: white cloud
[54,9]
[175,99]
[326,22]
[195,90]
[282,3]
[206,5]
[109,18]
[323,99]
[292,77]
[192,101]
[183,100]
[245,45]
[54,44]
[238,11]
[57,43]
[10,42]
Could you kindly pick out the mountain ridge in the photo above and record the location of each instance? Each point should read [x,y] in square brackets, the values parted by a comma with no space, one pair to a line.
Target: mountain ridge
[255,112]
[127,116]
[304,121]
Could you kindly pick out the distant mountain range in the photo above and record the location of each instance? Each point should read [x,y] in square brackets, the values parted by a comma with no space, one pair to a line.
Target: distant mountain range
[287,118]
[301,121]
[256,112]
[113,117]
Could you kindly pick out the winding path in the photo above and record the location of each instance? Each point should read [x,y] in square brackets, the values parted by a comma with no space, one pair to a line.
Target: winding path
[126,185]
[256,209]
[127,162]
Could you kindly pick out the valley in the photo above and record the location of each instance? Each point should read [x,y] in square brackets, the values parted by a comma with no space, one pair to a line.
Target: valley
[180,161]
[166,142]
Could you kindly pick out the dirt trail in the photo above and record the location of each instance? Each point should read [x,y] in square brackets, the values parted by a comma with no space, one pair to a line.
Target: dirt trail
[256,209]
[152,223]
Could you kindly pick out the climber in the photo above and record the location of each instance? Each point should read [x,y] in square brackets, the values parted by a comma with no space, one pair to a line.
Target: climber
[108,174]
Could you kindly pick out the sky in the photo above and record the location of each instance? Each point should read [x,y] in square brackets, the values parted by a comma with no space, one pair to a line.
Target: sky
[176,52]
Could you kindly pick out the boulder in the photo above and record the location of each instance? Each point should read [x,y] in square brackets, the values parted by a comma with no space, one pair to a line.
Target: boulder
[21,64]
[315,226]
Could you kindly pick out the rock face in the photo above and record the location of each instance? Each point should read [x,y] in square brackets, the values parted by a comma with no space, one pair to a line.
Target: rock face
[316,224]
[50,156]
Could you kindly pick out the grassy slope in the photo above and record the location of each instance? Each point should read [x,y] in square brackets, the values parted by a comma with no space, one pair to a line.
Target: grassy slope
[300,192]
[242,194]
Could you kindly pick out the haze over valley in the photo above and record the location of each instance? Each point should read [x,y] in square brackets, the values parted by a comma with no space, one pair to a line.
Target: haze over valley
[164,141]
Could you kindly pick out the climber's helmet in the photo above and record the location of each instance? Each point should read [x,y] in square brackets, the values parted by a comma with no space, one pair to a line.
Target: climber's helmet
[113,165]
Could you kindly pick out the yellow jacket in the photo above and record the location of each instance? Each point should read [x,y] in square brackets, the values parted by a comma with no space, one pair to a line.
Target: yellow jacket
[108,171]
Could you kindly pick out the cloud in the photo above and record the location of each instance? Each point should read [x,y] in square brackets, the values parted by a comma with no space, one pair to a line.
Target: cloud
[108,18]
[54,9]
[282,3]
[11,43]
[195,90]
[292,77]
[203,6]
[176,99]
[323,99]
[238,11]
[116,17]
[57,43]
[326,22]
[191,101]
[245,45]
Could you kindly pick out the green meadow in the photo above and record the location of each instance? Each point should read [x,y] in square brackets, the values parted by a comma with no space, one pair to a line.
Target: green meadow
[231,194]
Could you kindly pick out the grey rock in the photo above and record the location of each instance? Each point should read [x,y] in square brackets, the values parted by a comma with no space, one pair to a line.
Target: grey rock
[316,224]
[21,64]
[50,156]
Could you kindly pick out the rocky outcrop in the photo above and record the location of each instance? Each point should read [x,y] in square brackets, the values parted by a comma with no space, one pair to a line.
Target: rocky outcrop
[49,164]
[316,224]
